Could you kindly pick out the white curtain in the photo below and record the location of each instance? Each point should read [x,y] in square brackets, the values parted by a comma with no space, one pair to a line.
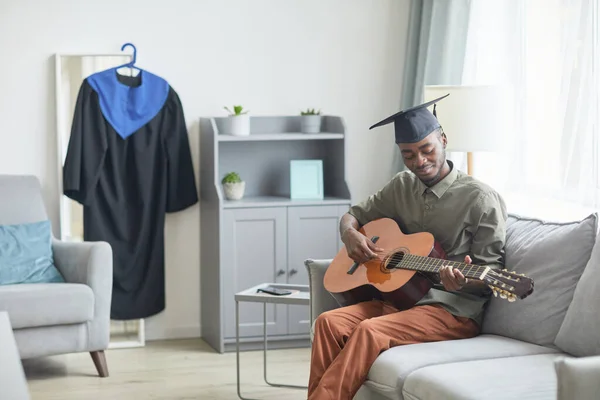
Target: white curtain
[546,53]
[435,55]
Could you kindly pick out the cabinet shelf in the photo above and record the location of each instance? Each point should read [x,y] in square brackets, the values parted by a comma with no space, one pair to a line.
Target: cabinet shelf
[281,201]
[280,136]
[266,236]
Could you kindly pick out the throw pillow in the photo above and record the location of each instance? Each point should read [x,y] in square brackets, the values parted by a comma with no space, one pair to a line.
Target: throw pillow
[580,330]
[26,254]
[554,255]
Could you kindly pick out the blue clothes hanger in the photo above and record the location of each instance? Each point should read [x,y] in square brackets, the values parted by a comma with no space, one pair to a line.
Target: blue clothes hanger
[130,64]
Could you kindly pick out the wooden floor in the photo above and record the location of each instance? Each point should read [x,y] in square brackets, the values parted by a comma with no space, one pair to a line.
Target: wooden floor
[179,369]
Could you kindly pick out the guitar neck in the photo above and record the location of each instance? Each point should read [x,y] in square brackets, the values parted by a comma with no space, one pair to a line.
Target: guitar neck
[433,265]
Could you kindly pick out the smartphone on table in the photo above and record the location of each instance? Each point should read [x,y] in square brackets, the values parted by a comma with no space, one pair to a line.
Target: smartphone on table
[274,291]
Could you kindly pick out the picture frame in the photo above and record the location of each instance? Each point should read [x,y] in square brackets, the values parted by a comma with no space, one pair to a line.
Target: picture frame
[306,180]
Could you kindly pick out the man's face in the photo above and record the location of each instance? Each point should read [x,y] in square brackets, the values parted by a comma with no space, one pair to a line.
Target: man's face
[425,158]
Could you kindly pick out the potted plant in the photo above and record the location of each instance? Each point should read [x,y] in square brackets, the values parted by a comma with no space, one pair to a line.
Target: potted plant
[310,121]
[233,186]
[240,121]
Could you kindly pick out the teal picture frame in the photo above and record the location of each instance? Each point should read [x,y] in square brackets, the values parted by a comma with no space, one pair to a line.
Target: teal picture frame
[306,180]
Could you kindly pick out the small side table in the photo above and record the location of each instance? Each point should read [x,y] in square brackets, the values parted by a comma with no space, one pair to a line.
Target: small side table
[301,297]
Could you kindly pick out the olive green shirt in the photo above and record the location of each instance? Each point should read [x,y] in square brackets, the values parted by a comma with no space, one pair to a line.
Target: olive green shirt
[464,215]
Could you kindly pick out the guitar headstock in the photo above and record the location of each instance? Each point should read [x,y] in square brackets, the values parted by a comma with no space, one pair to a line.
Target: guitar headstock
[509,285]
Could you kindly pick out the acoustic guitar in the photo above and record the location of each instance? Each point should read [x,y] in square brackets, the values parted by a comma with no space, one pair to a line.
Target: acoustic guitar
[407,269]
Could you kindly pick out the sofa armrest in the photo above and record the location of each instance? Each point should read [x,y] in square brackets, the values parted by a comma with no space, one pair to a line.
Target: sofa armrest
[577,378]
[320,299]
[13,382]
[90,263]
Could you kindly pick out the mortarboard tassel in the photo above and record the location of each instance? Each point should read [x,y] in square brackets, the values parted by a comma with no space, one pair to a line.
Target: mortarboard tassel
[434,114]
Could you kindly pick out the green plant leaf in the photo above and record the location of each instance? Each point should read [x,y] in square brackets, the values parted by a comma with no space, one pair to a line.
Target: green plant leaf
[231,177]
[310,111]
[237,110]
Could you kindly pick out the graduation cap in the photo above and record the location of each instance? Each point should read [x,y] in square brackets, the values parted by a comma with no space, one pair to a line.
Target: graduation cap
[413,124]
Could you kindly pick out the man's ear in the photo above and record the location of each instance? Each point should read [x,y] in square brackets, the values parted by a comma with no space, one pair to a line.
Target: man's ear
[443,139]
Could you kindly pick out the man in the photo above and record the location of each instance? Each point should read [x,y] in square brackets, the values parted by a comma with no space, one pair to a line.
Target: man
[466,216]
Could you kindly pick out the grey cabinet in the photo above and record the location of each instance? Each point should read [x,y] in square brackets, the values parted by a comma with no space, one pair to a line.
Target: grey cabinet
[256,252]
[270,245]
[266,236]
[313,232]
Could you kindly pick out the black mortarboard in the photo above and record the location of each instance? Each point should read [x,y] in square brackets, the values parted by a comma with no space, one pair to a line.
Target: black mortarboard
[413,124]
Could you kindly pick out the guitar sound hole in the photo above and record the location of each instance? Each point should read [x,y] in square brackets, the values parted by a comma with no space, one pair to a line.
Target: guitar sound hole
[394,259]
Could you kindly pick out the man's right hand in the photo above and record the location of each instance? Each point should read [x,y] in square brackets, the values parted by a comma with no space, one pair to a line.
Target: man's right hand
[359,247]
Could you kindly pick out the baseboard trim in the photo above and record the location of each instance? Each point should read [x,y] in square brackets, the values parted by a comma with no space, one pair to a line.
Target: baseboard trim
[273,343]
[175,332]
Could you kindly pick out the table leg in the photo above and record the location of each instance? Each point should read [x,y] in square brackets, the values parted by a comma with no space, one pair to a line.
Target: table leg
[237,349]
[265,354]
[237,352]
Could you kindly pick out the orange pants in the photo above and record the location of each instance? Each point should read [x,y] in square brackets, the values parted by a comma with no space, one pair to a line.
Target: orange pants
[348,340]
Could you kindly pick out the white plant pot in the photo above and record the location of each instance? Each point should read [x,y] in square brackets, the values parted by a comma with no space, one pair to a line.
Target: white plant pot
[310,123]
[234,191]
[239,125]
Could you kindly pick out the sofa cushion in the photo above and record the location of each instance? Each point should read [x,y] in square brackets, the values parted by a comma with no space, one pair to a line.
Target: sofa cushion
[554,255]
[526,377]
[390,369]
[26,254]
[44,304]
[579,333]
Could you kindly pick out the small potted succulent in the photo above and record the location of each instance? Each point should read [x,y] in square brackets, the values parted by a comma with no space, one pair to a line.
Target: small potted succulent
[233,186]
[240,121]
[310,121]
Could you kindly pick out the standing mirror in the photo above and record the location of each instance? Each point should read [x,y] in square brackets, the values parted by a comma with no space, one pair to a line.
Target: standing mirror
[71,70]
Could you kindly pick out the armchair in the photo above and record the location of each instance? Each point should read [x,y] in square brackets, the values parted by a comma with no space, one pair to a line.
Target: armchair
[57,318]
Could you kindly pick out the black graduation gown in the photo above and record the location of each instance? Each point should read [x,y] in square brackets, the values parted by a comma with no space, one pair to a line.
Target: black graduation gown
[128,163]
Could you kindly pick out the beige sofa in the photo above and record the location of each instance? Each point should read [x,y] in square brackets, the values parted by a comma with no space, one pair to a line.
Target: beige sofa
[546,346]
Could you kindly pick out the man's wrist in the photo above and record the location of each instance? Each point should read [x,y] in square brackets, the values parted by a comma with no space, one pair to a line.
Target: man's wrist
[347,231]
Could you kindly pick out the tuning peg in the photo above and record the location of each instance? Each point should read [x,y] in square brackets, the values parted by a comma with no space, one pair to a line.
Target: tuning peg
[503,295]
[495,293]
[512,298]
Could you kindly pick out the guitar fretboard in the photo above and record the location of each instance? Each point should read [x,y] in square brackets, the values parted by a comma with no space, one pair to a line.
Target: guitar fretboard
[429,264]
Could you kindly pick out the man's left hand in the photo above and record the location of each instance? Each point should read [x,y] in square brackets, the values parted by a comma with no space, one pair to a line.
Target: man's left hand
[453,279]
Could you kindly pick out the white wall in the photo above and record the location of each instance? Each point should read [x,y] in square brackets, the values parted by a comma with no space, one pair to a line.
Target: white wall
[273,56]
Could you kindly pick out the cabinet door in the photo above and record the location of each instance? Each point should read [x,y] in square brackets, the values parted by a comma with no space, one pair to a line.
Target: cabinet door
[253,251]
[313,232]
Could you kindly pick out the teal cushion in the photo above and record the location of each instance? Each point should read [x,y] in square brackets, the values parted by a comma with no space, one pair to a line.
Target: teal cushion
[26,254]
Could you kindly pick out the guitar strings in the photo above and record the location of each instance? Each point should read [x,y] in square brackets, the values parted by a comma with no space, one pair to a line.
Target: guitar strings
[408,261]
[416,260]
[413,261]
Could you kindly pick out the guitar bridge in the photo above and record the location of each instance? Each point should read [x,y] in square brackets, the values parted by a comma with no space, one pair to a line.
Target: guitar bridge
[354,266]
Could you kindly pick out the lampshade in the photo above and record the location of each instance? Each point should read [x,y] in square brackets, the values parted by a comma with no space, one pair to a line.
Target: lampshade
[472,117]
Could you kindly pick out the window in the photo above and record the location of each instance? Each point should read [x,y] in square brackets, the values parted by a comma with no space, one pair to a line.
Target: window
[545,52]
